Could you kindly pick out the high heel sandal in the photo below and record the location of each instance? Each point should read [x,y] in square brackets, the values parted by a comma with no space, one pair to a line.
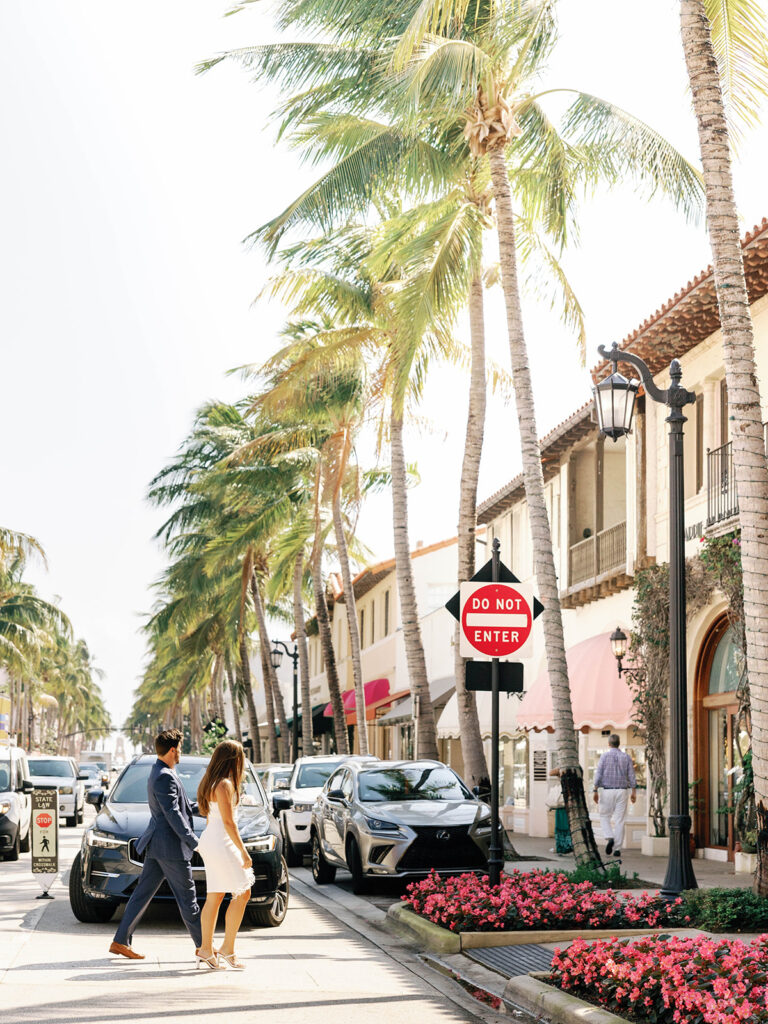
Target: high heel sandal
[233,962]
[212,961]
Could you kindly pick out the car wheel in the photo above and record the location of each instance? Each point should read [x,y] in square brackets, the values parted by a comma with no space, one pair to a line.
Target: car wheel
[84,907]
[322,871]
[360,883]
[273,915]
[25,844]
[292,856]
[13,853]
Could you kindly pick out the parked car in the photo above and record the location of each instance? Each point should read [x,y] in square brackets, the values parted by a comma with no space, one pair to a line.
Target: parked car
[105,871]
[275,778]
[397,819]
[15,802]
[294,805]
[61,773]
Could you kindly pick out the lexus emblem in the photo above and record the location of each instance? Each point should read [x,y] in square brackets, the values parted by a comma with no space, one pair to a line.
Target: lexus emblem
[442,834]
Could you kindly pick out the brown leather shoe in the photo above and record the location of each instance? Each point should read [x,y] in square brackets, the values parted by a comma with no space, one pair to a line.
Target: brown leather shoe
[121,950]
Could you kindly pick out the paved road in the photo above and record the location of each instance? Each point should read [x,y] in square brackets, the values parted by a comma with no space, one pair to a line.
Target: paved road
[54,969]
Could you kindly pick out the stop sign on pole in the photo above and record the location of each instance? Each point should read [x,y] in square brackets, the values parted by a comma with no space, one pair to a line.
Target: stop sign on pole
[496,621]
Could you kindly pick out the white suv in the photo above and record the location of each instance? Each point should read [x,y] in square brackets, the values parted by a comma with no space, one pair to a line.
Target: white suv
[294,806]
[62,773]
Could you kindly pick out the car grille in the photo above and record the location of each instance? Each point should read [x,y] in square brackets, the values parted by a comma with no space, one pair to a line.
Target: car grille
[428,851]
[138,858]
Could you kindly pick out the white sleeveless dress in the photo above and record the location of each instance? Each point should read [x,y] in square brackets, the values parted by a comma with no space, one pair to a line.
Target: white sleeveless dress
[224,871]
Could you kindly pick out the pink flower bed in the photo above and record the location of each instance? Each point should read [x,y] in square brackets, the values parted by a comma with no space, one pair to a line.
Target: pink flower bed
[670,980]
[534,899]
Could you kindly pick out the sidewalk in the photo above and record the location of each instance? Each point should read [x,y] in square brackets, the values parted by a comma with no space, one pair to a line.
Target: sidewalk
[709,873]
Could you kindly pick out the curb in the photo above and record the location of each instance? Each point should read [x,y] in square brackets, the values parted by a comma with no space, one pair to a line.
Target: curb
[440,940]
[535,995]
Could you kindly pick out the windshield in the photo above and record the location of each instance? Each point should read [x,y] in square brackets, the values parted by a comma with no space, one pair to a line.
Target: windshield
[313,776]
[411,784]
[131,787]
[90,769]
[61,769]
[281,776]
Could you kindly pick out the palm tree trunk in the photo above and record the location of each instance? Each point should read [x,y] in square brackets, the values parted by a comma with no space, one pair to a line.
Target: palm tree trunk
[300,628]
[216,695]
[354,631]
[253,718]
[329,657]
[426,731]
[475,767]
[274,753]
[234,695]
[571,775]
[748,446]
[266,661]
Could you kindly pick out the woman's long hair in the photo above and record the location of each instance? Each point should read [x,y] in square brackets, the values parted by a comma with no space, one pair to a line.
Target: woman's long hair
[227,762]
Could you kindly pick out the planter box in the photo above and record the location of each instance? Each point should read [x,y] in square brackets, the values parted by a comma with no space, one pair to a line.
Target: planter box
[744,863]
[443,940]
[545,1001]
[655,846]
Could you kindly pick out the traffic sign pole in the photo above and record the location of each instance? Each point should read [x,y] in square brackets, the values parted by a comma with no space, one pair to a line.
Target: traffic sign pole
[495,859]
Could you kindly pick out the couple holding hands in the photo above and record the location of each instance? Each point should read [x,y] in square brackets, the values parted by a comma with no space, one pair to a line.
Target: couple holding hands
[169,842]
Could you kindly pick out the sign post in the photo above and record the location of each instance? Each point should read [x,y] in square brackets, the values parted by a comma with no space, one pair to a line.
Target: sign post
[495,613]
[45,838]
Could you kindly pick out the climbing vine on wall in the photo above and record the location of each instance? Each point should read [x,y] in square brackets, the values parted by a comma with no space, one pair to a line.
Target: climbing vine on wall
[650,680]
[717,566]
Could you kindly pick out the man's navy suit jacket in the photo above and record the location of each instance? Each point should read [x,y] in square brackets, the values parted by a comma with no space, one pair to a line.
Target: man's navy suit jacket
[170,834]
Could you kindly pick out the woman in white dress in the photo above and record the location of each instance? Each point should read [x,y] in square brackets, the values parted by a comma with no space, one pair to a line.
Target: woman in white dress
[227,862]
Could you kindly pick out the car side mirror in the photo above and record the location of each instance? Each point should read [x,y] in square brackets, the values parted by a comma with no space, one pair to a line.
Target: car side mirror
[27,785]
[281,803]
[95,797]
[82,778]
[336,794]
[476,790]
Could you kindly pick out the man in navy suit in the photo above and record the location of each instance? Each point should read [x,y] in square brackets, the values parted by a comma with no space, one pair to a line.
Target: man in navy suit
[169,841]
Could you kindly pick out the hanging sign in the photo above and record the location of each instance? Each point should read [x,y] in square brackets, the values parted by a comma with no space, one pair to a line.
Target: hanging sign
[45,836]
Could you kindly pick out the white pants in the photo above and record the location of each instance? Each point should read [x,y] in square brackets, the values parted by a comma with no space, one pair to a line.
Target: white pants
[613,805]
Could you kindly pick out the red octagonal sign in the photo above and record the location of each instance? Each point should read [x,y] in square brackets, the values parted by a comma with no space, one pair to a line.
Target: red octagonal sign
[43,820]
[496,619]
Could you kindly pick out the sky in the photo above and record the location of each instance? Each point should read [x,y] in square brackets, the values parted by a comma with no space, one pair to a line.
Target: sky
[128,184]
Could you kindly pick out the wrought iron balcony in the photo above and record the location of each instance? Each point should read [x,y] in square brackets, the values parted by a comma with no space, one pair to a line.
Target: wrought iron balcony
[722,500]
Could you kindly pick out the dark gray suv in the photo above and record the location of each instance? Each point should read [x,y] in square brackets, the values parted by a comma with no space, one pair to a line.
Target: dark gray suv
[397,819]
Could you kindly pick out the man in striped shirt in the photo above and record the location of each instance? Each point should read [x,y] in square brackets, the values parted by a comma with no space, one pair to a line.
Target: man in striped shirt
[615,777]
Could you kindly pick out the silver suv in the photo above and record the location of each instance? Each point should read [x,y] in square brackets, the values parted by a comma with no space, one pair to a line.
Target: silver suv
[397,819]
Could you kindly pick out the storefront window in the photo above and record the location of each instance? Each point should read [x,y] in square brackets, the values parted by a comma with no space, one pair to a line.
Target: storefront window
[514,770]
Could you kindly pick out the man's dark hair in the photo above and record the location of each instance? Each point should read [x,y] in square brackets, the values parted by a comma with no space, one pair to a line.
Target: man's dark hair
[168,738]
[613,740]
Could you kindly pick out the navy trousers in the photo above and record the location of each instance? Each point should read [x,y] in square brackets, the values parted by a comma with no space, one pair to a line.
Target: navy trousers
[178,874]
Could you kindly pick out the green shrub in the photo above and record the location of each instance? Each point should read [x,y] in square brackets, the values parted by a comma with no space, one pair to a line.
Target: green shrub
[726,910]
[610,877]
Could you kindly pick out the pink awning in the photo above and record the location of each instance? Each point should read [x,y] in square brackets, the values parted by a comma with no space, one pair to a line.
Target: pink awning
[373,691]
[600,699]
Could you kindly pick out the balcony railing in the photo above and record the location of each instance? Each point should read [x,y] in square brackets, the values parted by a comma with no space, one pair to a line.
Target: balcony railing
[722,500]
[598,556]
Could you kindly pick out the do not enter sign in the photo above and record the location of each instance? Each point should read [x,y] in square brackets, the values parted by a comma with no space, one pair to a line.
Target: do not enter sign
[496,620]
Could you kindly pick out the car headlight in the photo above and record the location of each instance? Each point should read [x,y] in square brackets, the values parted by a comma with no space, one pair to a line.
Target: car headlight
[65,790]
[379,825]
[265,844]
[302,807]
[104,840]
[5,806]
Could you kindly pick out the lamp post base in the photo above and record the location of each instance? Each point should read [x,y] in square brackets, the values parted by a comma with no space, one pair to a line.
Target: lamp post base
[679,876]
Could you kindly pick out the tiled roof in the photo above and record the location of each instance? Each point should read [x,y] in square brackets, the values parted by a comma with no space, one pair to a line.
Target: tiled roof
[691,315]
[553,444]
[368,577]
[683,322]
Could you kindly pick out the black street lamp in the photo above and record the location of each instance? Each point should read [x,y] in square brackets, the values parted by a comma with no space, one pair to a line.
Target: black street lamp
[276,657]
[614,404]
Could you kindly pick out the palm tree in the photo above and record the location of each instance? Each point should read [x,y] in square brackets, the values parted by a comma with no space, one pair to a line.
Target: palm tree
[727,63]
